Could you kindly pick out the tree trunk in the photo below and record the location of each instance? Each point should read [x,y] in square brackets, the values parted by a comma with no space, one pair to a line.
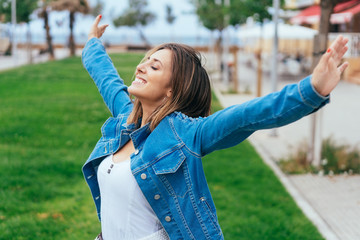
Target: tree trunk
[259,65]
[71,38]
[48,36]
[321,41]
[320,46]
[29,44]
[143,38]
[219,51]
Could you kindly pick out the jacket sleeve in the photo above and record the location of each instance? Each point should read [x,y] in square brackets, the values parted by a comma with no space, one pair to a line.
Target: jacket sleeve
[234,124]
[101,69]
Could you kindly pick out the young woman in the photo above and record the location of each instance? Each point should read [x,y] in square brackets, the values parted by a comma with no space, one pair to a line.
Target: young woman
[145,173]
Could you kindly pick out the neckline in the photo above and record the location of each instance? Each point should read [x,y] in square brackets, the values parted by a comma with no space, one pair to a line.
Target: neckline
[118,163]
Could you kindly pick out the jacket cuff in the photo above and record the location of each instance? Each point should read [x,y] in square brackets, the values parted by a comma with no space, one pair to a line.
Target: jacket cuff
[310,96]
[91,41]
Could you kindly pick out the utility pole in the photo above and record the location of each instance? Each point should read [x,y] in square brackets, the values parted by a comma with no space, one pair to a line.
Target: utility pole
[13,23]
[274,71]
[226,47]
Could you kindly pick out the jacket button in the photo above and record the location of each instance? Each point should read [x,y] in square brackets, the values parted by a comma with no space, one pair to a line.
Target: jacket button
[143,176]
[157,197]
[167,218]
[136,152]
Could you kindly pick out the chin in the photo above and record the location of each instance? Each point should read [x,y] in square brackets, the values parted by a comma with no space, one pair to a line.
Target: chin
[134,92]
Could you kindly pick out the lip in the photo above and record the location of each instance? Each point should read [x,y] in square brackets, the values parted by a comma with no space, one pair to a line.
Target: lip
[139,81]
[141,78]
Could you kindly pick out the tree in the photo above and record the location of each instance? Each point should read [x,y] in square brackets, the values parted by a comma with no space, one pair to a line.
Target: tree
[216,15]
[23,12]
[321,41]
[97,9]
[170,17]
[320,46]
[45,15]
[136,16]
[73,6]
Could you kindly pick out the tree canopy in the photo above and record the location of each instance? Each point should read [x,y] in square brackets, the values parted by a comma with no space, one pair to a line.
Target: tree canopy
[135,15]
[170,17]
[212,13]
[23,10]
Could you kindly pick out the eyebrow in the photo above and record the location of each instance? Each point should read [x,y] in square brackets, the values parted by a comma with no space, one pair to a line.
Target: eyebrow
[156,60]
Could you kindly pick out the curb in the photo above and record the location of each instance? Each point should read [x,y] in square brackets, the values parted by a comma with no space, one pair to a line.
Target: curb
[300,200]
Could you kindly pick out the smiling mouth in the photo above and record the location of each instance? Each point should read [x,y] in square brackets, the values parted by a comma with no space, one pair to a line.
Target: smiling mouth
[139,80]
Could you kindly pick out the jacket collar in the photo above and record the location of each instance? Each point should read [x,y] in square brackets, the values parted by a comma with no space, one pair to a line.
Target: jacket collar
[139,135]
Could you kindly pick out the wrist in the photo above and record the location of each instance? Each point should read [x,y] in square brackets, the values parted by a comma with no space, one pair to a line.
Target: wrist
[91,35]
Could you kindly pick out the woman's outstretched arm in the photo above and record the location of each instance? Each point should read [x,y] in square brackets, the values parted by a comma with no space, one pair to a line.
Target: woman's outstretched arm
[101,69]
[232,125]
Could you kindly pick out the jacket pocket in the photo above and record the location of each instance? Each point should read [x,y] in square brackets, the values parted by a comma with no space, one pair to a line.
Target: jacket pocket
[174,174]
[210,213]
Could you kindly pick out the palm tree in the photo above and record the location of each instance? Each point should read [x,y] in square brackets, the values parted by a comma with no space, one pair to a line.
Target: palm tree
[73,6]
[170,19]
[136,16]
[45,14]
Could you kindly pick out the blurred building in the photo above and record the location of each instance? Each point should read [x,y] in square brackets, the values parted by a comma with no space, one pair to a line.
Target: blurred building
[345,17]
[298,4]
[344,20]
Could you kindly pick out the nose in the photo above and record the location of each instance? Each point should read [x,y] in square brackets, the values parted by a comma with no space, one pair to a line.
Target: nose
[141,68]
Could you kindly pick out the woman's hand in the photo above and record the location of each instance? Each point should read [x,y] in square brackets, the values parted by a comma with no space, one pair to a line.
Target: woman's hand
[327,73]
[95,30]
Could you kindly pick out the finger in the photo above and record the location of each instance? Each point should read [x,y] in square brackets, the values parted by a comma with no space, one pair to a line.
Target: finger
[340,45]
[342,53]
[343,67]
[336,45]
[103,27]
[324,61]
[97,20]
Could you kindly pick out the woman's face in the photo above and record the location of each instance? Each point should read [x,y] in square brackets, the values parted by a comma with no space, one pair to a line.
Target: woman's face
[152,81]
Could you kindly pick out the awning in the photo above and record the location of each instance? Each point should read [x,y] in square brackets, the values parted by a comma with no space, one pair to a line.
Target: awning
[343,13]
[345,16]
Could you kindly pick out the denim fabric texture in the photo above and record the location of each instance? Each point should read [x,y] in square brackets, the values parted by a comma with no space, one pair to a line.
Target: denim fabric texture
[167,161]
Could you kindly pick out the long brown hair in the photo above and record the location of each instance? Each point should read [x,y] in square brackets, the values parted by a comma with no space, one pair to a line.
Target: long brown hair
[190,87]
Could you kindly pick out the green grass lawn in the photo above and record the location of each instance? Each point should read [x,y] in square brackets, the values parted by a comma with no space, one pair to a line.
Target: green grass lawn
[50,119]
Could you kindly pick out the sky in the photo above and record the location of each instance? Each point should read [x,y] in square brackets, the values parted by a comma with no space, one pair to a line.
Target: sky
[186,24]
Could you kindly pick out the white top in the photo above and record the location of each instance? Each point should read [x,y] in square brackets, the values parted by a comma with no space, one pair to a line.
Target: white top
[125,213]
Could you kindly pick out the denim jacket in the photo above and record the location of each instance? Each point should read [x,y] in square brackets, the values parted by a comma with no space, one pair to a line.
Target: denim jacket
[167,161]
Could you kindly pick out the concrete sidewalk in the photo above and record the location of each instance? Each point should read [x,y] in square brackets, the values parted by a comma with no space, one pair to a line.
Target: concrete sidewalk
[21,58]
[331,203]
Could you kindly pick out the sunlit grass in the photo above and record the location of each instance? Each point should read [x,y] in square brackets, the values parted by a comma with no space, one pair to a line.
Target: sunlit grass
[50,119]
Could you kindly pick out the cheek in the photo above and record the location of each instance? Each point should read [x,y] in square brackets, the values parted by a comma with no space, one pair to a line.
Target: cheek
[167,80]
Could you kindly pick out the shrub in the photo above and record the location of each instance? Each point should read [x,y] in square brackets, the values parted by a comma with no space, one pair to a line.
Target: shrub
[336,159]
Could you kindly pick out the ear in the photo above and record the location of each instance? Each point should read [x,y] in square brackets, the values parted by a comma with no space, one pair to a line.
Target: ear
[169,93]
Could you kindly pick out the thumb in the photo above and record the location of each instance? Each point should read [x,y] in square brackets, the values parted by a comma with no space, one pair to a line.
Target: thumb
[103,27]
